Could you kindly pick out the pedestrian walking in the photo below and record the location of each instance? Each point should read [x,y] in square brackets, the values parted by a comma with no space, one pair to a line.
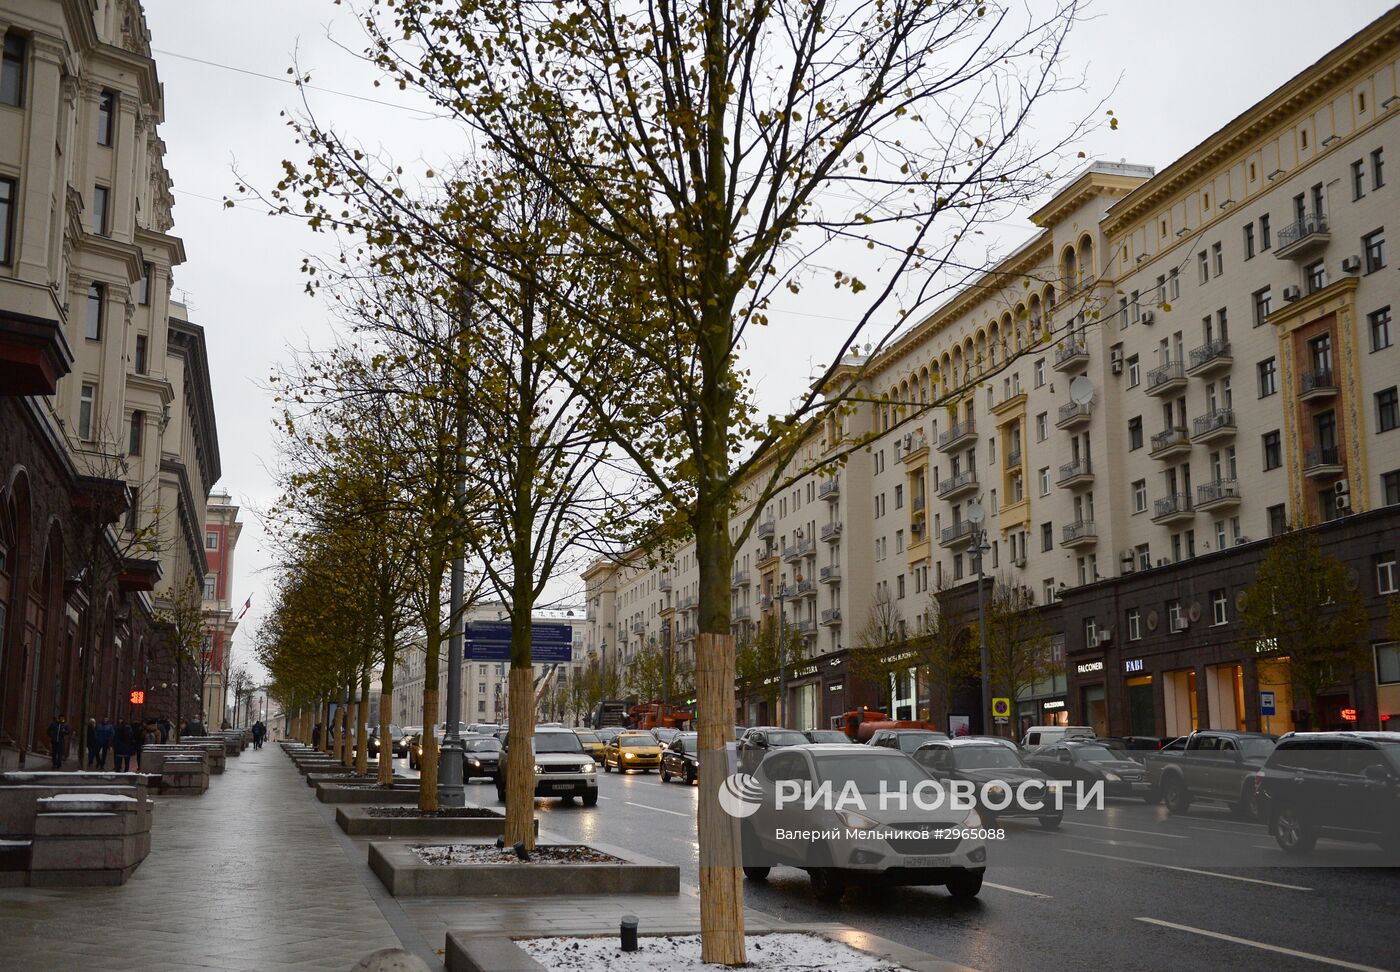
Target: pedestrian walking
[59,731]
[138,742]
[166,728]
[316,736]
[91,743]
[105,732]
[121,747]
[193,728]
[259,731]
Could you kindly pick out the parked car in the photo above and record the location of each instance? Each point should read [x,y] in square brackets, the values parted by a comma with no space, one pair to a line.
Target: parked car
[607,734]
[1037,736]
[664,734]
[561,767]
[395,741]
[759,741]
[1342,785]
[904,740]
[481,756]
[483,728]
[592,745]
[1212,765]
[828,736]
[632,750]
[682,758]
[986,763]
[999,740]
[890,845]
[1085,761]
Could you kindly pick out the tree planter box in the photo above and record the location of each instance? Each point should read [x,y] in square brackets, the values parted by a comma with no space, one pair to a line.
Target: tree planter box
[357,821]
[366,795]
[406,876]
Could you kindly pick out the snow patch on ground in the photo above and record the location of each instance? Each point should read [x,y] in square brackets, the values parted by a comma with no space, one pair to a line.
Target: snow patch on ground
[681,953]
[88,798]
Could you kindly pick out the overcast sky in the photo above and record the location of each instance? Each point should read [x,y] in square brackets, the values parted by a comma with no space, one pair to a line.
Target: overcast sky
[1180,70]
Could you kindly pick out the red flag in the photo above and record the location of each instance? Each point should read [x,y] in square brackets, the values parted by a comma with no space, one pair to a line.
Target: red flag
[246,605]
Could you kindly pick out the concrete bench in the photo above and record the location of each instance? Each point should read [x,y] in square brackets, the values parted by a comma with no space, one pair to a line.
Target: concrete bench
[88,838]
[215,751]
[182,776]
[20,802]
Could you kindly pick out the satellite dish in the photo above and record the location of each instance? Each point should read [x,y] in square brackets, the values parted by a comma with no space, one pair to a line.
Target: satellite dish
[975,513]
[1081,390]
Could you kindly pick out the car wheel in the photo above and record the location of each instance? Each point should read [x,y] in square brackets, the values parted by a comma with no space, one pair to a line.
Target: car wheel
[1052,823]
[590,799]
[965,885]
[756,873]
[690,778]
[665,776]
[1174,793]
[1248,807]
[1292,833]
[828,885]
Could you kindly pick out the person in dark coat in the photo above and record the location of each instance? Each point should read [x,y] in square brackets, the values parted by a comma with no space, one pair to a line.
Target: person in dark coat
[91,743]
[259,732]
[165,729]
[59,731]
[316,736]
[121,748]
[105,733]
[193,728]
[138,742]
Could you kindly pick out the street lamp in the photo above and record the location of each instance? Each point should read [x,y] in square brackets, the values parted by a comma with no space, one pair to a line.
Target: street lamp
[977,516]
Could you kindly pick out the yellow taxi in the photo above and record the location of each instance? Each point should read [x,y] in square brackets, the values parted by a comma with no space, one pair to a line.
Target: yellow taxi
[592,745]
[635,750]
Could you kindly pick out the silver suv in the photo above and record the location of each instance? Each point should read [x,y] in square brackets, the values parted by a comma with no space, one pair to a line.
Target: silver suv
[562,767]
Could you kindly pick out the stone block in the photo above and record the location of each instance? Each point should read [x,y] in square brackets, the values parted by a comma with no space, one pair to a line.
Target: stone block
[358,822]
[366,795]
[405,875]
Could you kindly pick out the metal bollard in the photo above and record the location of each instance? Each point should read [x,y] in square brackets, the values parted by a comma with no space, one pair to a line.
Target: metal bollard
[629,933]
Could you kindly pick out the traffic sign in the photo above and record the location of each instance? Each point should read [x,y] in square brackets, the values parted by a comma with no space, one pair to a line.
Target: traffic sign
[1266,703]
[1001,708]
[550,642]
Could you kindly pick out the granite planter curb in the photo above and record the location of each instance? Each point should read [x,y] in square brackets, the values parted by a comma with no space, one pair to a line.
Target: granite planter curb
[406,876]
[366,795]
[357,821]
[492,952]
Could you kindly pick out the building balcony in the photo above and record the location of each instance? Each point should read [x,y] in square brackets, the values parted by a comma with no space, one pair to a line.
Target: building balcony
[765,601]
[639,627]
[1077,473]
[741,613]
[917,504]
[831,532]
[1300,239]
[687,602]
[1217,495]
[739,579]
[1013,460]
[1170,443]
[1169,378]
[765,529]
[665,582]
[1316,384]
[960,433]
[831,574]
[34,354]
[1173,509]
[803,588]
[1209,358]
[805,627]
[1216,424]
[959,485]
[1072,354]
[799,550]
[766,556]
[1081,533]
[1323,462]
[1074,415]
[958,534]
[831,616]
[830,489]
[687,633]
[915,446]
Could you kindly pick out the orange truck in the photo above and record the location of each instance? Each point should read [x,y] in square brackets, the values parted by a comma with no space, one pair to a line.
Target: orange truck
[861,724]
[658,715]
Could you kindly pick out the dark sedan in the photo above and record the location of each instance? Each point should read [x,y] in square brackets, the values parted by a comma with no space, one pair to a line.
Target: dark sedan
[1085,761]
[759,741]
[481,756]
[681,759]
[828,736]
[1005,785]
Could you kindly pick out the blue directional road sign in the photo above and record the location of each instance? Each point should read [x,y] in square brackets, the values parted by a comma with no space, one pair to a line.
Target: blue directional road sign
[1266,703]
[490,641]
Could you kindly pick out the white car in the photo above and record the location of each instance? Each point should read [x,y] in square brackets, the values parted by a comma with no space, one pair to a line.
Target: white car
[562,767]
[1037,736]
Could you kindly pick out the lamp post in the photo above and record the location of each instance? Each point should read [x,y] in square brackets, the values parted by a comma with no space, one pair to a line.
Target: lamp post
[976,516]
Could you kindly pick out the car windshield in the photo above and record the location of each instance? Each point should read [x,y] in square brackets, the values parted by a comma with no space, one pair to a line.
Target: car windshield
[636,739]
[690,740]
[868,771]
[985,757]
[829,736]
[1256,747]
[786,737]
[557,742]
[910,741]
[484,745]
[1095,754]
[585,736]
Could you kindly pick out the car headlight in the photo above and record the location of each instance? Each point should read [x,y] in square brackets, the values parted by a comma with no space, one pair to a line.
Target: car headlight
[857,821]
[972,821]
[474,762]
[1111,777]
[589,768]
[996,792]
[538,768]
[629,755]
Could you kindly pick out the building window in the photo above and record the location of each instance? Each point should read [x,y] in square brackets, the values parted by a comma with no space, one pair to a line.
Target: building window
[12,71]
[1373,246]
[1386,575]
[1203,265]
[1140,496]
[1315,274]
[1278,520]
[96,299]
[1044,477]
[1377,169]
[211,540]
[211,585]
[1265,241]
[1134,624]
[144,287]
[1039,372]
[1135,433]
[1379,326]
[138,426]
[1047,590]
[1134,371]
[1219,608]
[106,117]
[1268,377]
[1388,663]
[1249,241]
[1176,620]
[140,362]
[1358,179]
[87,406]
[100,197]
[1217,258]
[8,197]
[1047,536]
[1144,556]
[1390,487]
[1273,450]
[1042,426]
[133,509]
[1263,303]
[1387,409]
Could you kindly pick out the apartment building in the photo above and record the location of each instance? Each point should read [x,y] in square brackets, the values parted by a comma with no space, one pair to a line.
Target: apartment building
[108,443]
[1175,366]
[222,529]
[485,688]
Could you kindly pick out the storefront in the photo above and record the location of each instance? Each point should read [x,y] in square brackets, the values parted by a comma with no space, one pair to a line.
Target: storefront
[1225,696]
[1141,698]
[1179,701]
[1093,700]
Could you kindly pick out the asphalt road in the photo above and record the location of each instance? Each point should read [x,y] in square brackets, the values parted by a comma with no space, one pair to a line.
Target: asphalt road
[1128,887]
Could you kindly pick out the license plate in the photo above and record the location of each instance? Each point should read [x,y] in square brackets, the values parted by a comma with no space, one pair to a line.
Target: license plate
[941,860]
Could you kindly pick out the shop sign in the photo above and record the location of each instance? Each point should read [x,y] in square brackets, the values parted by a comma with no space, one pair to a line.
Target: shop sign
[1132,665]
[1349,715]
[1053,704]
[1089,668]
[836,686]
[804,672]
[1265,645]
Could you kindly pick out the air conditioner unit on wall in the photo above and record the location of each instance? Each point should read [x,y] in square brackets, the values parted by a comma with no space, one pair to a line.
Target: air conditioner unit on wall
[1351,264]
[1115,361]
[1148,317]
[1291,294]
[1018,561]
[1179,624]
[1105,636]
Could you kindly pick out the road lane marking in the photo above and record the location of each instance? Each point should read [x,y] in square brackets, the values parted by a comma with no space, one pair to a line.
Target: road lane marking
[1279,949]
[1114,843]
[1187,870]
[1232,833]
[648,806]
[1126,830]
[1007,887]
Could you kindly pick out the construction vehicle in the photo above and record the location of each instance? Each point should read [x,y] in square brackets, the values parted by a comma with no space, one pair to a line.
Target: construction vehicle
[861,724]
[657,715]
[610,713]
